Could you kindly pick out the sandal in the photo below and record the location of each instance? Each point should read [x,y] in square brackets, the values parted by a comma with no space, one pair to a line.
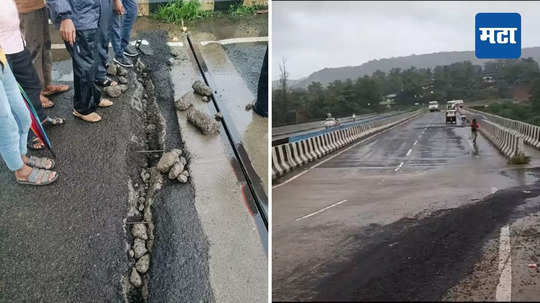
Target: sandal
[37,144]
[55,89]
[37,175]
[45,102]
[38,162]
[48,122]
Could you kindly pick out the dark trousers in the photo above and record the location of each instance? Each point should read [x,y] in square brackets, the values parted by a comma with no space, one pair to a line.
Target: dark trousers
[85,57]
[26,75]
[105,28]
[261,105]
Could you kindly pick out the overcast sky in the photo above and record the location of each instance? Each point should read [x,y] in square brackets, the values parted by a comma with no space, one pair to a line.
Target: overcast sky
[314,35]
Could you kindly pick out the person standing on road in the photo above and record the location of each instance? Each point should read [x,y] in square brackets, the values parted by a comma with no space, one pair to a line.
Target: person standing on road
[474,130]
[34,20]
[105,28]
[121,31]
[14,126]
[20,61]
[78,21]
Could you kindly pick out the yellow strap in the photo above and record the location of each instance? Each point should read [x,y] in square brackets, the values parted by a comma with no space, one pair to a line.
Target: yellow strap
[3,57]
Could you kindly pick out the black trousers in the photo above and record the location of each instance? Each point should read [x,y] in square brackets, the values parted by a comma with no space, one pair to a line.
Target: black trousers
[261,105]
[84,54]
[26,75]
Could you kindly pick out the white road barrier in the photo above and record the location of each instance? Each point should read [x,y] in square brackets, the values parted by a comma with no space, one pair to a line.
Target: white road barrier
[288,156]
[528,132]
[509,141]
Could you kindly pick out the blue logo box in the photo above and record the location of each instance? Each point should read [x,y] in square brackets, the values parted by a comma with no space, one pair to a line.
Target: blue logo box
[498,35]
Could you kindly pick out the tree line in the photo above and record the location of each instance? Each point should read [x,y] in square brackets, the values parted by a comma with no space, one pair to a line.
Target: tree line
[412,86]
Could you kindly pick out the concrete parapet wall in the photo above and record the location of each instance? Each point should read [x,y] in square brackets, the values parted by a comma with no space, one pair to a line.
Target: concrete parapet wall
[528,132]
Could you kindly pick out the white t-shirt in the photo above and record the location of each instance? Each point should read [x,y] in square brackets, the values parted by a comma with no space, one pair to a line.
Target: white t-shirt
[11,39]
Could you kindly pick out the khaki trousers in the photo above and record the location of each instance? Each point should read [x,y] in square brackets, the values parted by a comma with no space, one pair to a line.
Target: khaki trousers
[35,28]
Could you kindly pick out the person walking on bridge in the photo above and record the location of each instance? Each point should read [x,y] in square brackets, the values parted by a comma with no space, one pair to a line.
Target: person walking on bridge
[474,130]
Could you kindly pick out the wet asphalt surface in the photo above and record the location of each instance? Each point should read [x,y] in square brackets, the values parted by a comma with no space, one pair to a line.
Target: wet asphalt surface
[419,202]
[247,58]
[179,271]
[65,242]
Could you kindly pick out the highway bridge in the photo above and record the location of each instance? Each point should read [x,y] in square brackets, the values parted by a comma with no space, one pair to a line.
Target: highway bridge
[407,207]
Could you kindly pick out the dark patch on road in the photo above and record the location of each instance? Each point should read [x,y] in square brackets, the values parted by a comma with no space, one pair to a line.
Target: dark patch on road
[419,259]
[247,58]
[179,270]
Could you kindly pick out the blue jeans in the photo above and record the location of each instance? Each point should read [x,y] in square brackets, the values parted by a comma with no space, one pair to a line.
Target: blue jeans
[14,121]
[122,26]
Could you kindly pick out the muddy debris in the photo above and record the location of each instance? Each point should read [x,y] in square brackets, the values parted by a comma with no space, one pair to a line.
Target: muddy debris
[176,170]
[202,89]
[139,231]
[135,278]
[120,71]
[112,70]
[204,122]
[218,116]
[205,99]
[143,264]
[122,80]
[140,66]
[139,248]
[168,159]
[182,104]
[113,91]
[170,62]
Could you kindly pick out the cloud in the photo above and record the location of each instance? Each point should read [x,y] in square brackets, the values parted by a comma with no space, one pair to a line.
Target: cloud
[314,35]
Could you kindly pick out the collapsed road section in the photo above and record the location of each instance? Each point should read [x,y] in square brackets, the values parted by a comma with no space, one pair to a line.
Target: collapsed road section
[206,234]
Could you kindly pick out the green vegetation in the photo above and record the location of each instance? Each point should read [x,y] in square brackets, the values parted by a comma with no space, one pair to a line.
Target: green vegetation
[238,10]
[463,80]
[177,10]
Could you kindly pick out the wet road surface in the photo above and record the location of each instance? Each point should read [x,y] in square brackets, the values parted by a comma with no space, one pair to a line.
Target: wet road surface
[404,215]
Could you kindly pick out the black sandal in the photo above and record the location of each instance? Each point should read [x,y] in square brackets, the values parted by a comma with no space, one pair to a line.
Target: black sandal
[32,145]
[48,122]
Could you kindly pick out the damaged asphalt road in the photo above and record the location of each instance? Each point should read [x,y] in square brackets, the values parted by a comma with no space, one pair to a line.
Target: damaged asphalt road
[420,259]
[179,269]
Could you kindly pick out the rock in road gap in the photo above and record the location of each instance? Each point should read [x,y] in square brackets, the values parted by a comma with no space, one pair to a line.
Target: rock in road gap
[202,89]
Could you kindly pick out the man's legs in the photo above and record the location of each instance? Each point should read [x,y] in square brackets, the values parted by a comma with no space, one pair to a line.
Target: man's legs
[105,28]
[121,31]
[26,75]
[129,20]
[84,54]
[35,26]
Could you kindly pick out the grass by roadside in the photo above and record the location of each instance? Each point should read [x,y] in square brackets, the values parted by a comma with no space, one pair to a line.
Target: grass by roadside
[179,11]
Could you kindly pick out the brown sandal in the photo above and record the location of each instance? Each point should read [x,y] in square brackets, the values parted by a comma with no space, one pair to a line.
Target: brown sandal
[37,175]
[55,89]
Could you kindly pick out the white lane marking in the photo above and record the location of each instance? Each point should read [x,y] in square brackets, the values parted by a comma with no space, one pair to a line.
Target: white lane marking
[339,153]
[504,287]
[399,166]
[409,152]
[291,179]
[175,43]
[237,40]
[321,210]
[416,141]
